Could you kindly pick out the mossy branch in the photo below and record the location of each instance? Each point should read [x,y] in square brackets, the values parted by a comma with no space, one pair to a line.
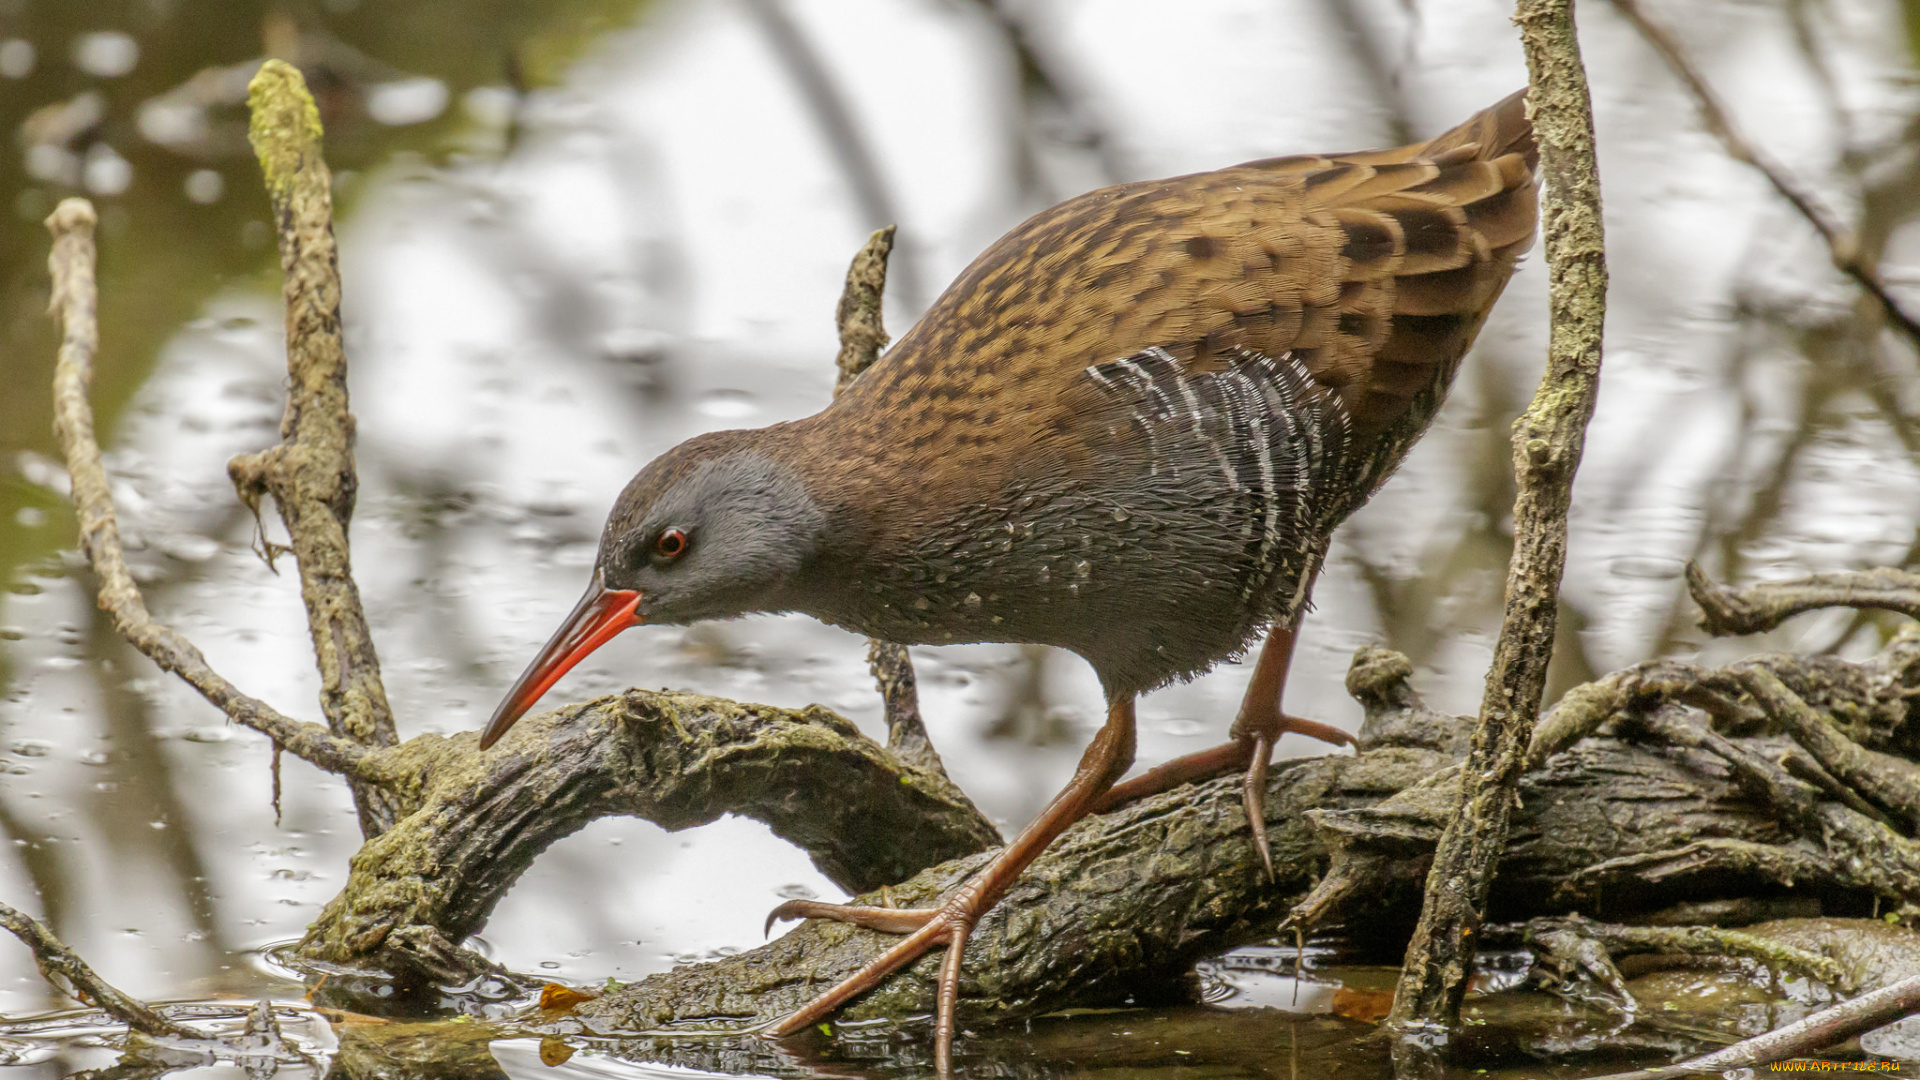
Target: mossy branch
[1547,443]
[283,125]
[476,821]
[310,473]
[1726,611]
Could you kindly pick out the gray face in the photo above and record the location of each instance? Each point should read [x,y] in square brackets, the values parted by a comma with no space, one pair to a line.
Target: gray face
[710,539]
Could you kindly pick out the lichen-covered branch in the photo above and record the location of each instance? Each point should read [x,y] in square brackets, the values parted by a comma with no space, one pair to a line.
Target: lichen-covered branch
[475,822]
[1121,907]
[1822,828]
[1884,781]
[310,473]
[862,336]
[74,303]
[858,318]
[1547,444]
[57,960]
[1842,244]
[1755,609]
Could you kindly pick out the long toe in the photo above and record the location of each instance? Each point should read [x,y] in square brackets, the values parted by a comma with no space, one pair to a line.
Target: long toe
[887,920]
[1186,769]
[1107,757]
[1314,729]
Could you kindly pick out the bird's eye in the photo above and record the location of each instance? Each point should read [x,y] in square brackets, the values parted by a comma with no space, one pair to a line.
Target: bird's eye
[671,544]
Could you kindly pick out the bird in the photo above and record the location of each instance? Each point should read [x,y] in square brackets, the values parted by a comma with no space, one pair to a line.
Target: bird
[1127,429]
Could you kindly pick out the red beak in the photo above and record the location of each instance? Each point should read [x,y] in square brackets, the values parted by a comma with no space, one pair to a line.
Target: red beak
[599,615]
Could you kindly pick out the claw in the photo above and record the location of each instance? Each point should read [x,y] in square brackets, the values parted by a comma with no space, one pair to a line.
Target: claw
[1314,729]
[950,925]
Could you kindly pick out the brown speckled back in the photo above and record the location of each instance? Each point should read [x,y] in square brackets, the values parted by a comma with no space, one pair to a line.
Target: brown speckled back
[1375,269]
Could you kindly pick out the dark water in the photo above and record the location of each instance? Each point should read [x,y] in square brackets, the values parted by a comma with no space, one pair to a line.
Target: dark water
[576,232]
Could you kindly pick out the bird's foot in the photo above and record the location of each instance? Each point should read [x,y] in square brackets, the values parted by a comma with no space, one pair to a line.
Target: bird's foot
[947,925]
[951,923]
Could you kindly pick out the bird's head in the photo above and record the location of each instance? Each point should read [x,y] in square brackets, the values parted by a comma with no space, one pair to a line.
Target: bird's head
[712,529]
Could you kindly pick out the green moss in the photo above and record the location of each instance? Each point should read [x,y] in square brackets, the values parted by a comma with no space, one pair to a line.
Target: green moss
[285,125]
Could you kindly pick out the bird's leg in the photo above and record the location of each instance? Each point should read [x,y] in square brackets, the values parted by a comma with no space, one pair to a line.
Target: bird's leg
[1110,755]
[1258,726]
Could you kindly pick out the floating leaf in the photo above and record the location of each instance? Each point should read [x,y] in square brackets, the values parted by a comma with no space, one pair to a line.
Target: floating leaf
[557,998]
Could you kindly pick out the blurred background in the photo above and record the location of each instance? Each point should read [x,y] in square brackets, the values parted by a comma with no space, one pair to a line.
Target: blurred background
[575,232]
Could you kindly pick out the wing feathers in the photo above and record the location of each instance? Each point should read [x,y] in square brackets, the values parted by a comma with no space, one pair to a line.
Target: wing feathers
[1429,235]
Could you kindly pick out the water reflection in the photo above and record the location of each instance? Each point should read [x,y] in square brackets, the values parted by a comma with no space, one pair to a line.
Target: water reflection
[547,286]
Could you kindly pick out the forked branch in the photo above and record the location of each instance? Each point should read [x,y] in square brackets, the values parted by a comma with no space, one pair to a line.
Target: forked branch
[310,474]
[1756,609]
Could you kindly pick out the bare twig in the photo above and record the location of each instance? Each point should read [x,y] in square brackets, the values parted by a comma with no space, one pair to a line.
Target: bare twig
[862,336]
[1816,1032]
[74,301]
[1756,609]
[310,473]
[1841,241]
[1547,443]
[83,983]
